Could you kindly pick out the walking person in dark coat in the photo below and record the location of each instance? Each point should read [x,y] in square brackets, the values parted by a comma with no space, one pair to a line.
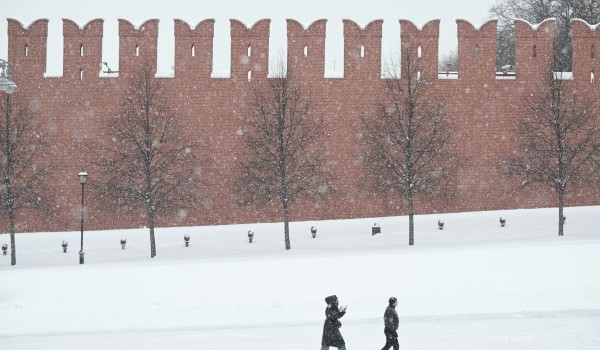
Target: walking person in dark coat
[391,322]
[331,328]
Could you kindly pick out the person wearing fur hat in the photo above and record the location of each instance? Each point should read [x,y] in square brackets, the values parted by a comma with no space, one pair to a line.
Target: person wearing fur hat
[391,323]
[331,328]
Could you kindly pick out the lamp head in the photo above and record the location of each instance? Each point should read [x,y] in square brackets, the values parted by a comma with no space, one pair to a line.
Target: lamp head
[82,177]
[6,84]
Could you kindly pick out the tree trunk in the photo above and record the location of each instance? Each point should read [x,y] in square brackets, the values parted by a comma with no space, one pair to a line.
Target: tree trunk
[150,214]
[286,224]
[561,220]
[411,222]
[11,230]
[11,223]
[13,251]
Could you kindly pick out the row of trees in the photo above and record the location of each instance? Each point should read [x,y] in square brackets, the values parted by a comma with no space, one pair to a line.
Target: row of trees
[535,11]
[147,164]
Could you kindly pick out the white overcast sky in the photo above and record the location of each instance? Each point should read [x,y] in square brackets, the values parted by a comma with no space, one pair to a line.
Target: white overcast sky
[247,11]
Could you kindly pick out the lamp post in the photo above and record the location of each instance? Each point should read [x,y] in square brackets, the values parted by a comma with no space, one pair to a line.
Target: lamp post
[82,178]
[6,84]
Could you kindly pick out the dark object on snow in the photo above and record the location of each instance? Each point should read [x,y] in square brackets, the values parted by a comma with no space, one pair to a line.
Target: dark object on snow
[332,325]
[65,244]
[441,224]
[313,231]
[123,243]
[375,230]
[186,238]
[502,221]
[564,219]
[250,236]
[4,249]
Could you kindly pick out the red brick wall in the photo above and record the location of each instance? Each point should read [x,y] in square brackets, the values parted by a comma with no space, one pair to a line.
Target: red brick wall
[482,111]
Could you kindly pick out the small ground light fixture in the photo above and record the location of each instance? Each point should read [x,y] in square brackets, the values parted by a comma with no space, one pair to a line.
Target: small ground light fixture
[375,229]
[502,221]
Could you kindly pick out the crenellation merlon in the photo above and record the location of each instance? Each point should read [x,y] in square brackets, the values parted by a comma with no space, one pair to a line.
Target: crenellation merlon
[306,49]
[362,50]
[477,50]
[420,46]
[534,49]
[194,49]
[250,50]
[82,49]
[27,48]
[137,45]
[586,43]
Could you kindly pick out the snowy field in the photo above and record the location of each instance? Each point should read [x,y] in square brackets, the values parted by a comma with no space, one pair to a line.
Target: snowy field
[473,285]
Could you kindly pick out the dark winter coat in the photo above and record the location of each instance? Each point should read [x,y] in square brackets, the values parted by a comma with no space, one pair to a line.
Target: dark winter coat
[390,319]
[331,328]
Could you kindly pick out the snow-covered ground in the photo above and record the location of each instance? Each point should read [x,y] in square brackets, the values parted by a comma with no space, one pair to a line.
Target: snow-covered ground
[473,285]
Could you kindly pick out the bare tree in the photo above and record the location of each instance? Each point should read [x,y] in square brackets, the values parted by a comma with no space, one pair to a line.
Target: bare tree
[449,62]
[506,11]
[407,140]
[536,11]
[148,164]
[24,173]
[559,141]
[585,9]
[282,159]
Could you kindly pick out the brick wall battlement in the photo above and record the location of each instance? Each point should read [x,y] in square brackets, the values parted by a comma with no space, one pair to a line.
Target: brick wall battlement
[482,107]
